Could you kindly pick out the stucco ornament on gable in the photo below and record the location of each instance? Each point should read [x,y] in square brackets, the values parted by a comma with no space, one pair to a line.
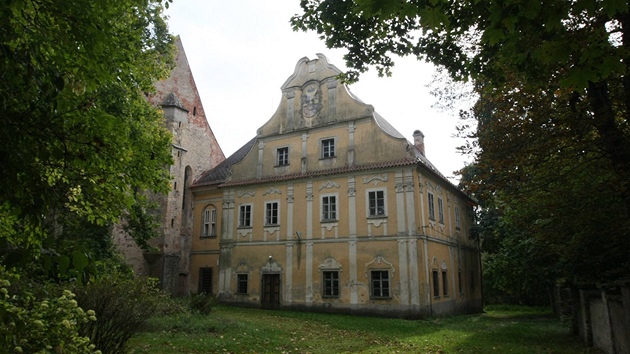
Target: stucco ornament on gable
[272,190]
[311,100]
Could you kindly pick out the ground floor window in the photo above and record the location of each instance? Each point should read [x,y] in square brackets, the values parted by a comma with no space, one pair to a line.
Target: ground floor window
[379,283]
[436,284]
[444,283]
[241,283]
[331,283]
[205,281]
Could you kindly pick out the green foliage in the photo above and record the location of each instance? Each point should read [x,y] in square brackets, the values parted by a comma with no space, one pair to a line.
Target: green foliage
[40,324]
[78,133]
[122,305]
[201,303]
[551,127]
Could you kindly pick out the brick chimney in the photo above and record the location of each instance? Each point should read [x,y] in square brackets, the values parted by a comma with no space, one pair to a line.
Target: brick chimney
[418,141]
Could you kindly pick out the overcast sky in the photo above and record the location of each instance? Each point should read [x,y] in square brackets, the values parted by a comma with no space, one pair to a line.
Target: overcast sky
[242,51]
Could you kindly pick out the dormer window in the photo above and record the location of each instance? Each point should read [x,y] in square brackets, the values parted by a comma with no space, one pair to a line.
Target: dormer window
[282,156]
[328,148]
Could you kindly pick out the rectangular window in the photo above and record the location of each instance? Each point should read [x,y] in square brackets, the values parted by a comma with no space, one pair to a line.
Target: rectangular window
[459,282]
[441,210]
[245,216]
[331,283]
[210,222]
[205,281]
[444,283]
[329,208]
[456,217]
[241,283]
[380,283]
[436,284]
[431,206]
[282,156]
[271,213]
[328,148]
[376,201]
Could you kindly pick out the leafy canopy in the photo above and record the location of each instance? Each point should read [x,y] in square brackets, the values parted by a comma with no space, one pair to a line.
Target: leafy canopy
[552,121]
[79,136]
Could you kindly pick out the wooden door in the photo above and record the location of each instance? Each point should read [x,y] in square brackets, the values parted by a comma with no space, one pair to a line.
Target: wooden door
[271,291]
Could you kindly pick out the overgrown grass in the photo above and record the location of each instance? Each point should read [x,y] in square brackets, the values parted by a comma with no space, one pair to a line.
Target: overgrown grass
[239,330]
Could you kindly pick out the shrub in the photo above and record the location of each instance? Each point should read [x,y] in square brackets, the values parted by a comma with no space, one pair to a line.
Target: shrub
[122,304]
[201,303]
[29,324]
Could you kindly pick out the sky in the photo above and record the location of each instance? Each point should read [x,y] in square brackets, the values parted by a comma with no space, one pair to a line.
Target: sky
[242,51]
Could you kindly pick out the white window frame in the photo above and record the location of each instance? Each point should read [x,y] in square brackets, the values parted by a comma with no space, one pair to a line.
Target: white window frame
[241,223]
[430,202]
[368,207]
[336,207]
[441,210]
[326,153]
[269,222]
[282,156]
[209,227]
[381,281]
[335,289]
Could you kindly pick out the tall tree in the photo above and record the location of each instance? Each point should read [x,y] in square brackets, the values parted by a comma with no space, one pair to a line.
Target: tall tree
[78,134]
[553,116]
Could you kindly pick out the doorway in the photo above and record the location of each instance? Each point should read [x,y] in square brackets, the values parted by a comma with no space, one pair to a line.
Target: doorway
[271,291]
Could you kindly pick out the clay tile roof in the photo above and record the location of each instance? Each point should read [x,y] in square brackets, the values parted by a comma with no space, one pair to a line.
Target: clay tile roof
[221,172]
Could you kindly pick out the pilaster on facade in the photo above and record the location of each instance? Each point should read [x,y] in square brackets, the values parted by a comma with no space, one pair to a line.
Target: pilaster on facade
[410,206]
[309,210]
[352,207]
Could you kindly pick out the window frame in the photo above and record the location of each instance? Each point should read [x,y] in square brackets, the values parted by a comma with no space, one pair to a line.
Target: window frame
[330,285]
[282,156]
[209,225]
[206,277]
[457,218]
[327,147]
[326,216]
[440,210]
[445,282]
[269,218]
[370,199]
[242,285]
[430,202]
[241,221]
[436,283]
[384,284]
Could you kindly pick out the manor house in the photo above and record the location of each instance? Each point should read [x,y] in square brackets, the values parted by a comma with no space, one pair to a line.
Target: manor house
[330,208]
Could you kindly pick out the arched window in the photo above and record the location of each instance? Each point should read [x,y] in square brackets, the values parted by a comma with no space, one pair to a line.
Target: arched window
[209,227]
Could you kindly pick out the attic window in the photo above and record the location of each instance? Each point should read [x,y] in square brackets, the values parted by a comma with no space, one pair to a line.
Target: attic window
[194,111]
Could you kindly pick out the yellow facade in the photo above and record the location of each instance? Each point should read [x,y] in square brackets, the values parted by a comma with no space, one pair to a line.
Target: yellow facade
[330,208]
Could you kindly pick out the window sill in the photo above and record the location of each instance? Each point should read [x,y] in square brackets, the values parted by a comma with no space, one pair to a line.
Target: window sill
[330,296]
[276,166]
[329,221]
[208,236]
[328,158]
[380,298]
[377,216]
[272,225]
[244,227]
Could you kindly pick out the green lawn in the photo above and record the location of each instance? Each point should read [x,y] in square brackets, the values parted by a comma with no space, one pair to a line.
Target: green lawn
[239,330]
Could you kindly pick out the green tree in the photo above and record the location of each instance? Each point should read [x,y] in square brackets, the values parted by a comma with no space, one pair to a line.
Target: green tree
[553,114]
[78,133]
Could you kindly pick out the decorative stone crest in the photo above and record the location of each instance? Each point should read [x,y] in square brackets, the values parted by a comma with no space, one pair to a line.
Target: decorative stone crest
[330,263]
[311,100]
[246,194]
[374,179]
[379,263]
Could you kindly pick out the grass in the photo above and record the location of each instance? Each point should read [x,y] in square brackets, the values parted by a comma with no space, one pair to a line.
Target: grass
[240,330]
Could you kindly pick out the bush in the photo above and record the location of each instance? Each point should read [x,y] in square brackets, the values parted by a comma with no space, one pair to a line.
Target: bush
[122,304]
[32,324]
[201,303]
